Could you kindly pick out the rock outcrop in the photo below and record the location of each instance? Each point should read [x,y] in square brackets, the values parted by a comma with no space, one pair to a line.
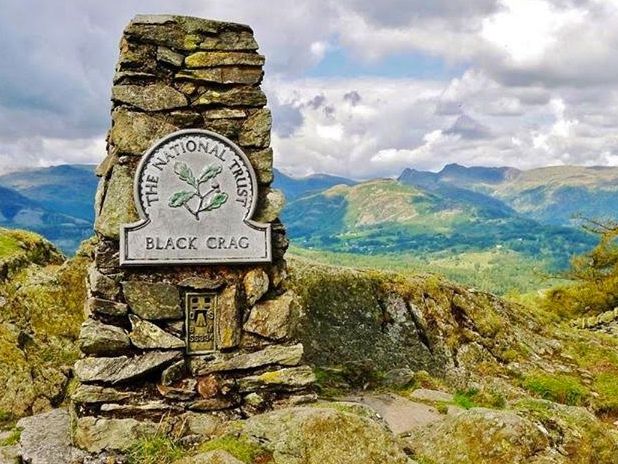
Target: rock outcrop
[41,308]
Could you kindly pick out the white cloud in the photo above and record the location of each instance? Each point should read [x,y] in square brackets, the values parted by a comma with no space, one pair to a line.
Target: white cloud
[526,29]
[24,153]
[541,80]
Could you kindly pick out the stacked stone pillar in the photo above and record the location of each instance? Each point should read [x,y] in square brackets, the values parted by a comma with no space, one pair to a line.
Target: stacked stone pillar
[185,73]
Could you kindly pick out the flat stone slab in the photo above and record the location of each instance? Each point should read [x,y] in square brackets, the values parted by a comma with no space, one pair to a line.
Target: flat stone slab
[400,414]
[434,396]
[122,368]
[288,379]
[148,336]
[96,434]
[275,354]
[46,438]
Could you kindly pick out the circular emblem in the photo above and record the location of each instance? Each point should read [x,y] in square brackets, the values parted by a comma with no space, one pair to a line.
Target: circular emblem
[195,192]
[199,172]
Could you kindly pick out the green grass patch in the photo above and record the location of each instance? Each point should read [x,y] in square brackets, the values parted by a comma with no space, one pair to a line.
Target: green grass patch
[465,399]
[474,398]
[498,271]
[442,407]
[155,449]
[8,246]
[560,388]
[241,448]
[606,385]
[12,439]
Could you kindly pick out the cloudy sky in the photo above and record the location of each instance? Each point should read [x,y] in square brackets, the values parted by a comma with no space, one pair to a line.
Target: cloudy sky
[360,88]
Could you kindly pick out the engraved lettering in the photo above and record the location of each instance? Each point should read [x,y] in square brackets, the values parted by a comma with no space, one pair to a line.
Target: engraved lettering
[195,193]
[151,189]
[200,309]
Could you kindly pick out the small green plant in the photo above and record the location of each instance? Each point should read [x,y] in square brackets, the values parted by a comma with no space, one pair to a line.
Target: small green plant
[12,439]
[155,449]
[464,399]
[241,448]
[212,198]
[490,398]
[560,388]
[594,275]
[442,407]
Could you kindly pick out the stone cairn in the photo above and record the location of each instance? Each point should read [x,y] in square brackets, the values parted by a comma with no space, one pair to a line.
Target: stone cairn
[180,73]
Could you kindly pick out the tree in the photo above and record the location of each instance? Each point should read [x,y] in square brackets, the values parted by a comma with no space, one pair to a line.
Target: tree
[594,275]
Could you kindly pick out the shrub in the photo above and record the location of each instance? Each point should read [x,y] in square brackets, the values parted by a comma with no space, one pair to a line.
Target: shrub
[595,276]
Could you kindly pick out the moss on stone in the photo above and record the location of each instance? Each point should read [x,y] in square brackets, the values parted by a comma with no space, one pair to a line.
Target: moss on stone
[317,435]
[39,325]
[239,447]
[581,437]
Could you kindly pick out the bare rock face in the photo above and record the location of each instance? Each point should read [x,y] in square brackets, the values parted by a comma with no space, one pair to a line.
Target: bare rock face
[276,354]
[116,209]
[256,284]
[153,301]
[135,132]
[46,438]
[274,319]
[320,435]
[93,394]
[146,335]
[535,431]
[290,379]
[155,97]
[42,310]
[100,434]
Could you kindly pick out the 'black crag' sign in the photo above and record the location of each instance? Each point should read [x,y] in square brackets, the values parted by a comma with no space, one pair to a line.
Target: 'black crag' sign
[195,192]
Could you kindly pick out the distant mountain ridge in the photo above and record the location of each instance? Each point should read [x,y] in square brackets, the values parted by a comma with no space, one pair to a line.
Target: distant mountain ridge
[456,209]
[66,189]
[555,195]
[457,174]
[295,187]
[20,212]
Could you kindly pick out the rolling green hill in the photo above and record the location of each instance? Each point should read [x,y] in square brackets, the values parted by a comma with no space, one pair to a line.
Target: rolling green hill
[458,232]
[65,189]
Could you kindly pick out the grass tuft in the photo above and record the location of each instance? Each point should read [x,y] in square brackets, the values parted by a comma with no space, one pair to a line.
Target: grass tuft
[560,388]
[155,449]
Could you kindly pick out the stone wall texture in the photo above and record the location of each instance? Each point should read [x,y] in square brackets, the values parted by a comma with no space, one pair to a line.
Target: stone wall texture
[178,73]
